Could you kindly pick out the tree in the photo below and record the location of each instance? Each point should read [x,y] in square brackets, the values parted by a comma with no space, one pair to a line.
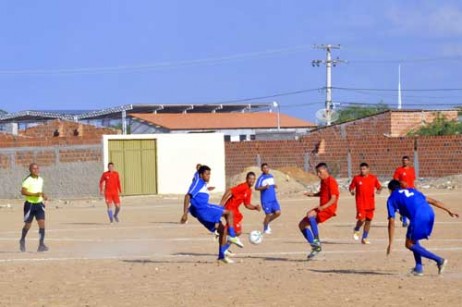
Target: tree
[356,112]
[440,126]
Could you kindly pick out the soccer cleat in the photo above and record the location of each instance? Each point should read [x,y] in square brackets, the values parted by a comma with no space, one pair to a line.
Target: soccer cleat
[22,245]
[116,218]
[417,272]
[356,235]
[442,266]
[225,260]
[315,250]
[365,241]
[42,248]
[267,230]
[236,241]
[229,253]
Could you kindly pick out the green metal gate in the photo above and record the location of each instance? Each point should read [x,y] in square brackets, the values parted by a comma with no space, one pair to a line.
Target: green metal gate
[135,160]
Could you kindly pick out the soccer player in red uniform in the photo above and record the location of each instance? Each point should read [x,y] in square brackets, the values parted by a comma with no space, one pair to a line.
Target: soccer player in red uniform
[109,186]
[328,198]
[234,197]
[364,187]
[405,174]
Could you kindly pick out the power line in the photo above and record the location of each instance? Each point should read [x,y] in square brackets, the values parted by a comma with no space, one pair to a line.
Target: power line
[394,90]
[154,66]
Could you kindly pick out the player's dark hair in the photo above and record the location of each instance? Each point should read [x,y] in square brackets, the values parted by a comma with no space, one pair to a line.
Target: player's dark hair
[394,185]
[249,174]
[110,163]
[31,166]
[364,164]
[322,165]
[263,164]
[406,157]
[203,169]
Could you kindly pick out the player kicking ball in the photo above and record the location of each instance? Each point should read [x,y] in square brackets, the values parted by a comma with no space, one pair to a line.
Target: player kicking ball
[328,198]
[415,206]
[267,187]
[364,186]
[208,214]
[233,198]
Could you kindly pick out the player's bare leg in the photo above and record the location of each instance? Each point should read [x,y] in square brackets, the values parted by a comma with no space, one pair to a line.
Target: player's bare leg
[357,228]
[42,247]
[268,219]
[22,241]
[367,227]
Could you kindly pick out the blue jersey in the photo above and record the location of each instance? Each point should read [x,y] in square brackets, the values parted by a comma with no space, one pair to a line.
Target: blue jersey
[408,202]
[199,193]
[268,195]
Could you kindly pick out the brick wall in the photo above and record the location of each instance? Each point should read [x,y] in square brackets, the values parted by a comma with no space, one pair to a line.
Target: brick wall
[366,140]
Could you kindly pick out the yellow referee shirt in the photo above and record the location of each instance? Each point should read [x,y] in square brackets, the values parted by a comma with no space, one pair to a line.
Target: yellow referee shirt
[33,185]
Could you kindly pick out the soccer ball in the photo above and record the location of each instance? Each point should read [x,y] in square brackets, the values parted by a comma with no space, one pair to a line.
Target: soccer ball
[255,237]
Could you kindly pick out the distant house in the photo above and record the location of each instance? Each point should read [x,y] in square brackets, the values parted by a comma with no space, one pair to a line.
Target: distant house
[235,126]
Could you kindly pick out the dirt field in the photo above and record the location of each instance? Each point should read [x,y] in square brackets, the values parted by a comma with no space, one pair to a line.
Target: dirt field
[151,260]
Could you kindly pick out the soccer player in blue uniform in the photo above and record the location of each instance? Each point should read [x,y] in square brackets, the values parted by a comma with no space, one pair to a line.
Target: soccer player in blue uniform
[267,187]
[208,214]
[415,206]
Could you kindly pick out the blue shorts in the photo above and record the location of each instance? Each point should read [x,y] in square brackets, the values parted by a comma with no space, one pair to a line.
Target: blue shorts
[208,215]
[271,207]
[33,210]
[421,226]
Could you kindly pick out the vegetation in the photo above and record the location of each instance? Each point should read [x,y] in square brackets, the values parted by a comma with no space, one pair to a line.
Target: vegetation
[356,112]
[440,126]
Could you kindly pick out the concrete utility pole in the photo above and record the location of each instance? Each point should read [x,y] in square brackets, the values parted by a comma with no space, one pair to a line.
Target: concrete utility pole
[329,64]
[400,102]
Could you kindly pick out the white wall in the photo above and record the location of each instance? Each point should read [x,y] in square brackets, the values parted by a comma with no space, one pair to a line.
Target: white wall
[177,156]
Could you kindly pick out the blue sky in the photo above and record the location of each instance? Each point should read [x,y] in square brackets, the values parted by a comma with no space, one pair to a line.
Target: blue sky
[96,54]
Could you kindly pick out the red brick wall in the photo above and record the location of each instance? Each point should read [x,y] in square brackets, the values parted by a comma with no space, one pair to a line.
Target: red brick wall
[366,140]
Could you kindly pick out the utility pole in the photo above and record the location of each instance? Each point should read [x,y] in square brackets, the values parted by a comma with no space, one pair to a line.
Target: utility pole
[400,102]
[329,62]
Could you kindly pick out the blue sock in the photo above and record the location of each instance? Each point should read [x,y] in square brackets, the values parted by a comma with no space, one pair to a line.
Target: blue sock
[221,252]
[308,235]
[314,227]
[231,232]
[418,262]
[357,228]
[226,246]
[265,227]
[365,234]
[421,251]
[109,213]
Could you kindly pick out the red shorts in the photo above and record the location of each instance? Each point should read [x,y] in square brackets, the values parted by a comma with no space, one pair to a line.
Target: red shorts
[112,197]
[324,215]
[362,214]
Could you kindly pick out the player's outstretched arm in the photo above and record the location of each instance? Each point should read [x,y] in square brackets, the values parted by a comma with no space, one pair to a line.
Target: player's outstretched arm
[184,218]
[440,205]
[253,207]
[391,234]
[311,194]
[262,187]
[226,196]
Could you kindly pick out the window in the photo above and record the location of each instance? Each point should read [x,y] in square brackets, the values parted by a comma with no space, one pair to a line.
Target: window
[242,137]
[227,138]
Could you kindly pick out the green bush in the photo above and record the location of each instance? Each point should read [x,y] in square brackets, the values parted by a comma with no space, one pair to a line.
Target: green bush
[440,126]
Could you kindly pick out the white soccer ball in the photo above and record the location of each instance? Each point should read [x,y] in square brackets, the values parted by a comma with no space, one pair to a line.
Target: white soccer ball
[255,237]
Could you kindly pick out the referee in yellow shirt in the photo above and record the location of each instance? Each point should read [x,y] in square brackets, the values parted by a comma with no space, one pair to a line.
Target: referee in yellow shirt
[32,189]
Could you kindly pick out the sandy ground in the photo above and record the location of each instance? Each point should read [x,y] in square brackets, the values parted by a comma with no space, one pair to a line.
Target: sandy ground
[150,260]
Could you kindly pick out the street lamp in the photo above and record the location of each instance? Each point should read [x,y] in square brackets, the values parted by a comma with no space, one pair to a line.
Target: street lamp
[276,105]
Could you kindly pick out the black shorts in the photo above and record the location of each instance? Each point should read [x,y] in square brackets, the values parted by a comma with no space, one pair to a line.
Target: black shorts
[33,210]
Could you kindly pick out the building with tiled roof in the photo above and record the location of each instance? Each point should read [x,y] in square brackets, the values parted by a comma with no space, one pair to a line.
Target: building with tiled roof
[235,126]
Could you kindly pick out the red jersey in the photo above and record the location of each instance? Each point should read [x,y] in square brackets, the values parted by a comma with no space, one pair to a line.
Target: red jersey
[112,182]
[329,187]
[240,194]
[407,175]
[365,187]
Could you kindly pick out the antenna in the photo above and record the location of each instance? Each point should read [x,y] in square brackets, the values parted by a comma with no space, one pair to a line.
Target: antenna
[400,103]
